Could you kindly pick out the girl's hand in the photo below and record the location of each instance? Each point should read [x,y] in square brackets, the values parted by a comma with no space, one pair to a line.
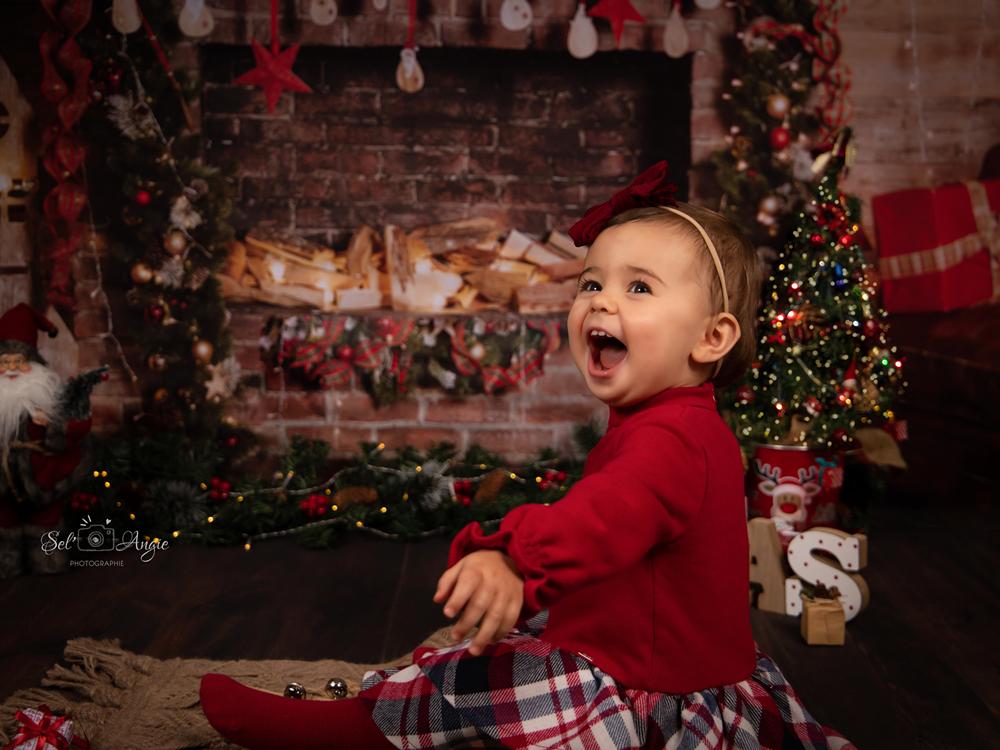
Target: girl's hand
[487,589]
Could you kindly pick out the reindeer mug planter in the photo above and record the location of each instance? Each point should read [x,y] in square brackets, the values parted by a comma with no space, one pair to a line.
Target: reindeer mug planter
[797,486]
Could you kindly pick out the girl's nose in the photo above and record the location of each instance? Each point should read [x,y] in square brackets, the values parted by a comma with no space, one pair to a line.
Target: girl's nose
[603,301]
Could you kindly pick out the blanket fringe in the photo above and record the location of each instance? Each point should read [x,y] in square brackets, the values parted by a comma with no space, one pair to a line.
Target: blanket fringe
[120,700]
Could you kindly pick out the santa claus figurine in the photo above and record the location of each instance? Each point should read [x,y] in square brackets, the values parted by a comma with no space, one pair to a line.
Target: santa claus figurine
[43,423]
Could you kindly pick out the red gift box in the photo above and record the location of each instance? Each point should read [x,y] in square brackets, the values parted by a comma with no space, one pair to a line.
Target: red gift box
[939,248]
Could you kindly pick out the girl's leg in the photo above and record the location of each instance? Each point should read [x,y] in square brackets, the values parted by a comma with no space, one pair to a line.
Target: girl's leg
[259,720]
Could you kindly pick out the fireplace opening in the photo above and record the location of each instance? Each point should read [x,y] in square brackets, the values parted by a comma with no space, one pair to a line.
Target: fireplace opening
[529,136]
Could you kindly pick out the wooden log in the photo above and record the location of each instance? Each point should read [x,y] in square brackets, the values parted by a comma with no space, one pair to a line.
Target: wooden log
[360,249]
[564,270]
[494,285]
[564,243]
[547,297]
[479,232]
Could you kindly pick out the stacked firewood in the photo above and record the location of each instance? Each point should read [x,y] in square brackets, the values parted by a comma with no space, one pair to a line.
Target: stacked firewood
[461,266]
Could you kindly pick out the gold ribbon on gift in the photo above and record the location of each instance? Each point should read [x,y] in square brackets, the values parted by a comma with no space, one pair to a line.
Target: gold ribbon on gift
[943,257]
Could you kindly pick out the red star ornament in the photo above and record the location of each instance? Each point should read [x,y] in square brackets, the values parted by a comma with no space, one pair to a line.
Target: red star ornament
[274,72]
[617,12]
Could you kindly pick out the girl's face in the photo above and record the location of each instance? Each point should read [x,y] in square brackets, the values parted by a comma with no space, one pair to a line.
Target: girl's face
[643,284]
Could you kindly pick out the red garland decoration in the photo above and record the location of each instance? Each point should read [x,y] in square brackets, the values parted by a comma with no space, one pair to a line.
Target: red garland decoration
[63,152]
[828,70]
[315,360]
[274,69]
[617,12]
[496,377]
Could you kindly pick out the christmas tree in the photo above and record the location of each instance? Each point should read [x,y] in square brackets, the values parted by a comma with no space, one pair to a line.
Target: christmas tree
[164,216]
[824,368]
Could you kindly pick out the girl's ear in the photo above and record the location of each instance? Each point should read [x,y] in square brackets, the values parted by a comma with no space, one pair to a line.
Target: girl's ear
[720,336]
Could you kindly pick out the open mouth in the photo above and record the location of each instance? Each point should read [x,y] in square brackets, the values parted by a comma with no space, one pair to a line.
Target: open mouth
[606,351]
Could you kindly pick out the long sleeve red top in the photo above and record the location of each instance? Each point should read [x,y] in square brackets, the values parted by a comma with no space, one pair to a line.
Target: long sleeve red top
[643,565]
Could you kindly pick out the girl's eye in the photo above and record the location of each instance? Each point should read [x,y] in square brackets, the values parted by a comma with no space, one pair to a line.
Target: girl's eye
[643,287]
[585,283]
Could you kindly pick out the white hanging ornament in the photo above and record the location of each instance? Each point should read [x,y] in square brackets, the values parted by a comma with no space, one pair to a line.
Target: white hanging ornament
[125,16]
[515,15]
[708,4]
[380,4]
[582,42]
[675,36]
[409,75]
[196,18]
[323,12]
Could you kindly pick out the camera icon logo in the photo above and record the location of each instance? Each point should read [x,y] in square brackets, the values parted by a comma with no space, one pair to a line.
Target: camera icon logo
[95,538]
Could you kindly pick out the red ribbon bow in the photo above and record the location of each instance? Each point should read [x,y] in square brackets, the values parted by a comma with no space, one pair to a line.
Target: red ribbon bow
[651,188]
[47,731]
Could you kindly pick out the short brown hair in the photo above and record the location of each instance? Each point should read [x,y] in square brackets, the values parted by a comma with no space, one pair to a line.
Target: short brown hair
[739,264]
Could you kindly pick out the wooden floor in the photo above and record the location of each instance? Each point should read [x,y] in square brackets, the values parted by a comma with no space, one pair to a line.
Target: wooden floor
[919,669]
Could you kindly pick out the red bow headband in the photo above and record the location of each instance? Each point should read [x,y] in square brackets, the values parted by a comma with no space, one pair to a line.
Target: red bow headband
[651,188]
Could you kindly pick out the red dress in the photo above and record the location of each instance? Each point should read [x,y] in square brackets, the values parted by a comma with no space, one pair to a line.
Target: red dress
[640,580]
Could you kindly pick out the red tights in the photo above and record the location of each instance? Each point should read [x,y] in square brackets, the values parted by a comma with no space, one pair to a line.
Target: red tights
[259,720]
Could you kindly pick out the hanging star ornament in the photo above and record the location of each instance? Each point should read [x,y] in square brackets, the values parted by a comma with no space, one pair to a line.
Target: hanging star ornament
[617,12]
[274,72]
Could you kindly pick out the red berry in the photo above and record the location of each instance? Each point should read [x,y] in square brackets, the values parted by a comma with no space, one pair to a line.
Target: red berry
[561,476]
[345,352]
[143,197]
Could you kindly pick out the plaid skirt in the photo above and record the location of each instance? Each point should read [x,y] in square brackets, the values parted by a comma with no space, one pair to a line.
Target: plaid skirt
[522,692]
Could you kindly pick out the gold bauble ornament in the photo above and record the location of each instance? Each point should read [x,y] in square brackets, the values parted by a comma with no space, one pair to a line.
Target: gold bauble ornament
[175,242]
[141,273]
[161,395]
[202,351]
[778,106]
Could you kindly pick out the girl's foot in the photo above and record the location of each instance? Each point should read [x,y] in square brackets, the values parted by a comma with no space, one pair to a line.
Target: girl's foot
[261,720]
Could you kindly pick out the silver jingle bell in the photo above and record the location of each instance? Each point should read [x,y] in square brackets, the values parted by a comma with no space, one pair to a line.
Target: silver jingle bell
[336,688]
[295,690]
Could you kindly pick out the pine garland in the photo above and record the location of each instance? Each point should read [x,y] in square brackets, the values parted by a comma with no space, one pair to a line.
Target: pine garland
[186,488]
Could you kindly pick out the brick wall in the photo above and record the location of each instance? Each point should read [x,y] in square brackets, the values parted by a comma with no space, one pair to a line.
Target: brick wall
[530,137]
[926,92]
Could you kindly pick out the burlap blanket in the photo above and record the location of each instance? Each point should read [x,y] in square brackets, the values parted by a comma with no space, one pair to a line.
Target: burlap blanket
[124,701]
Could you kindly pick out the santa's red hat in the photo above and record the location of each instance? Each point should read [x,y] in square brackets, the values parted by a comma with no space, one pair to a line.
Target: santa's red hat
[22,324]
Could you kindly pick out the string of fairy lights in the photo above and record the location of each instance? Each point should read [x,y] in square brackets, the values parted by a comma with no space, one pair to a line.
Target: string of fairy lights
[326,489]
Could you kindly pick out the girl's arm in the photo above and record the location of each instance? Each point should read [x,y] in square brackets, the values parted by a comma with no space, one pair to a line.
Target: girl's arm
[646,495]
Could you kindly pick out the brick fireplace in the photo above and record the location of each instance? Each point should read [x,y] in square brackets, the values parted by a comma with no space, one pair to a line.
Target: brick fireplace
[509,125]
